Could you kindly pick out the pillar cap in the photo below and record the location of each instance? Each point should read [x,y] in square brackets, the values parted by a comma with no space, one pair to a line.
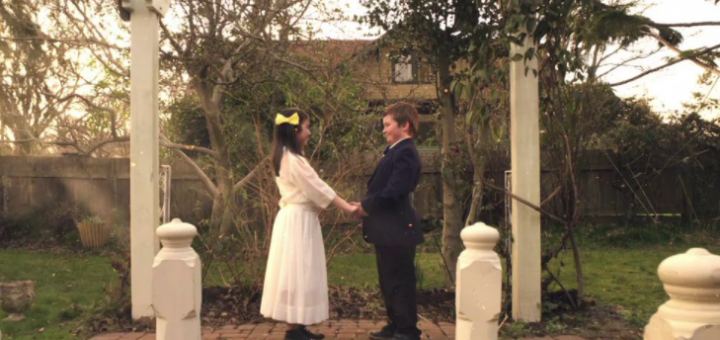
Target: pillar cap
[696,268]
[175,231]
[480,235]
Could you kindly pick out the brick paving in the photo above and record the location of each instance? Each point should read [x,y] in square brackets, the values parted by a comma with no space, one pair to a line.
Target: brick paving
[333,330]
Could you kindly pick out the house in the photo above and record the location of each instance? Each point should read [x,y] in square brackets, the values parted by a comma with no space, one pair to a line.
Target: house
[385,75]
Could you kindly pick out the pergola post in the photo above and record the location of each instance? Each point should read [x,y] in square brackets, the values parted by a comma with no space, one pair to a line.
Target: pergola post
[525,159]
[144,148]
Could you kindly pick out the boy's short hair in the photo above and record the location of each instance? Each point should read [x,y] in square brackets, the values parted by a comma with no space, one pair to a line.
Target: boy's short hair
[402,113]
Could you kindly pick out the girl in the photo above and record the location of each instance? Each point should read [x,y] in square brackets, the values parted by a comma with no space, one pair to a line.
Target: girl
[295,289]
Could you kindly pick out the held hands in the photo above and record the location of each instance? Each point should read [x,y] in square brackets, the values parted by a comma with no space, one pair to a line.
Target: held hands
[359,212]
[352,210]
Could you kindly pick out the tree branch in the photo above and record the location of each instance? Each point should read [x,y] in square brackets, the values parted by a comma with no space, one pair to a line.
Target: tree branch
[87,101]
[68,42]
[171,145]
[693,58]
[673,62]
[209,185]
[557,190]
[525,202]
[239,185]
[172,40]
[625,63]
[606,56]
[690,24]
[102,143]
[73,144]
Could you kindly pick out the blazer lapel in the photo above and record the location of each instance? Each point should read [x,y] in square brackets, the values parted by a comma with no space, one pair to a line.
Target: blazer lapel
[387,154]
[380,163]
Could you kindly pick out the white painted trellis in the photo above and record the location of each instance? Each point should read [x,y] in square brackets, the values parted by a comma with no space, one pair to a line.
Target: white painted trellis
[166,187]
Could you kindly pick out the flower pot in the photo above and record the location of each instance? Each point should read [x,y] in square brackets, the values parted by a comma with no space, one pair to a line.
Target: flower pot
[93,234]
[16,298]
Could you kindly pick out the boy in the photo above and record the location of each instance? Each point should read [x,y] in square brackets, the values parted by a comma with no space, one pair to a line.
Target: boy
[391,224]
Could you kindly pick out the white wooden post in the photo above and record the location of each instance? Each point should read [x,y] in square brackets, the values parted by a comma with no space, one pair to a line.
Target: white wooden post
[479,285]
[525,165]
[177,284]
[144,147]
[692,280]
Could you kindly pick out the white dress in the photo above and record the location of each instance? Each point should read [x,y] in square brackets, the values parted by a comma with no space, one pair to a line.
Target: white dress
[295,289]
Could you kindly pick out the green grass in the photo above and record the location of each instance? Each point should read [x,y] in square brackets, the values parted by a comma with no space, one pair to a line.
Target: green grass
[353,270]
[359,270]
[623,277]
[61,280]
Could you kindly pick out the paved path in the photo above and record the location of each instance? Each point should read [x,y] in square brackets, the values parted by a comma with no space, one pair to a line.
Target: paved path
[334,330]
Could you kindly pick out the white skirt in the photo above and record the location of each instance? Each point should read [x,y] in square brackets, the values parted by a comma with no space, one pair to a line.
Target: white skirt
[295,289]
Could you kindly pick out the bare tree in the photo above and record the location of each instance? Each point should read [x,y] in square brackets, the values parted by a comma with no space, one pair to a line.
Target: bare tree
[216,47]
[49,94]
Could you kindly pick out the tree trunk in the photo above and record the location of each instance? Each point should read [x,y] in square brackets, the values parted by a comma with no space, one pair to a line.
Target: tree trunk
[573,205]
[578,267]
[452,208]
[481,134]
[211,110]
[21,130]
[477,190]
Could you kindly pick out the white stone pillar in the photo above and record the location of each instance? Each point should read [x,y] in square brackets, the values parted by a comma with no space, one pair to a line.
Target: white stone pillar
[177,284]
[479,285]
[525,167]
[144,147]
[692,280]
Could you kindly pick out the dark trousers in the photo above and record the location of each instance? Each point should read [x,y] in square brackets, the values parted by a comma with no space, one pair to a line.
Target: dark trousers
[396,268]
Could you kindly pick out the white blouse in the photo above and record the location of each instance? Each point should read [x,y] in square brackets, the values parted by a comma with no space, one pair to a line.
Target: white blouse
[300,184]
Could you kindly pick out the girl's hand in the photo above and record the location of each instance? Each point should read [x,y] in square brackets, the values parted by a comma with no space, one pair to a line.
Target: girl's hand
[353,210]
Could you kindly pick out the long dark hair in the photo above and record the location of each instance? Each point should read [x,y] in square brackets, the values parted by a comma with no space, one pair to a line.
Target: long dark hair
[286,137]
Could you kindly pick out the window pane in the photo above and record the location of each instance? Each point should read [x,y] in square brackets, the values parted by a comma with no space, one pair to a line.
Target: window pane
[403,70]
[425,73]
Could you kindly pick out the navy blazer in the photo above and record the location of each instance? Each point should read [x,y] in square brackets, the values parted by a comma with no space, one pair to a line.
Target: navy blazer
[392,220]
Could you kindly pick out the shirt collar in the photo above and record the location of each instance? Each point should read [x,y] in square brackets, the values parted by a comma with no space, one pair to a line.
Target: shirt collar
[398,142]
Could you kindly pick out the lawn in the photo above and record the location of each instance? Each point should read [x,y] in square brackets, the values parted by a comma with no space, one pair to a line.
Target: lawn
[626,278]
[618,276]
[353,270]
[62,280]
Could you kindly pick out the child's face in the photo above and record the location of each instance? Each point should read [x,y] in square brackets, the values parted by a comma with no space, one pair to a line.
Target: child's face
[303,135]
[393,132]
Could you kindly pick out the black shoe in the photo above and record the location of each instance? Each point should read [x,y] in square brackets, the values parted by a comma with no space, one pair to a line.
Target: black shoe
[386,333]
[311,335]
[401,336]
[296,334]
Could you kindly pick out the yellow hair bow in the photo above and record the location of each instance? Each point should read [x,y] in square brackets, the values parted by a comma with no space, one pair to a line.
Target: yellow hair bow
[292,120]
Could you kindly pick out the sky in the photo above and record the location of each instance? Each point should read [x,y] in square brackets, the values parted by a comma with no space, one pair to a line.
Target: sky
[667,89]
